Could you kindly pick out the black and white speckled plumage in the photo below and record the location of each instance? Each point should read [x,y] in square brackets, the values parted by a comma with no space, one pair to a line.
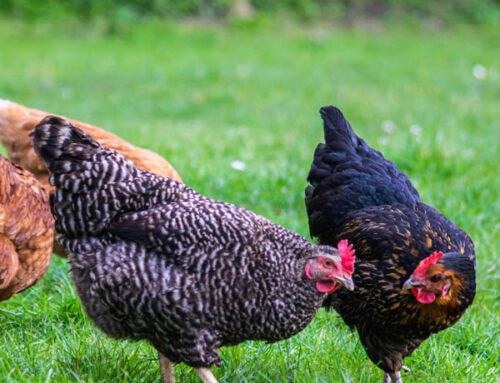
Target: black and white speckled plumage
[152,259]
[355,193]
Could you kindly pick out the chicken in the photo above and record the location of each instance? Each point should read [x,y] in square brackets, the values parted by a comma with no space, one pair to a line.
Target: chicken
[415,269]
[26,229]
[152,259]
[16,121]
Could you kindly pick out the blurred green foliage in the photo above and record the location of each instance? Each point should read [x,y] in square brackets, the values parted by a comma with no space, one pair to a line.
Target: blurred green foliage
[474,11]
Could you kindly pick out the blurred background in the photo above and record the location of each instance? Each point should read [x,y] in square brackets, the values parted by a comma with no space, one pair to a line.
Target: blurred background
[228,91]
[473,11]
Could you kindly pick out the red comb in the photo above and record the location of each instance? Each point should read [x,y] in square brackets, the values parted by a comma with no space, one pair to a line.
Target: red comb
[425,263]
[346,253]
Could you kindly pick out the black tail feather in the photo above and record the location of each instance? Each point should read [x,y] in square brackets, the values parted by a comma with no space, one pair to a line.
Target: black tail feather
[346,175]
[338,132]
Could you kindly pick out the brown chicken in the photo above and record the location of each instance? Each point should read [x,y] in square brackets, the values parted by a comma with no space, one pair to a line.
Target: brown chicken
[26,229]
[17,121]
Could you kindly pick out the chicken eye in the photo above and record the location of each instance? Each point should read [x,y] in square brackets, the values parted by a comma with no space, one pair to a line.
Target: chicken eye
[328,263]
[436,277]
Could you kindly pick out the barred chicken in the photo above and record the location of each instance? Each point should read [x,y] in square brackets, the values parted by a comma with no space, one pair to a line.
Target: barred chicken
[415,269]
[16,121]
[152,259]
[26,229]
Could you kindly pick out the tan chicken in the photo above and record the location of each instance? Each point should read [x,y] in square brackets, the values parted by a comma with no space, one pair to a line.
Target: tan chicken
[17,121]
[26,229]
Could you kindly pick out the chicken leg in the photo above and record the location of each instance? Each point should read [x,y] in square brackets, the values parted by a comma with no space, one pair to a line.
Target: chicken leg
[167,369]
[205,375]
[394,377]
[168,372]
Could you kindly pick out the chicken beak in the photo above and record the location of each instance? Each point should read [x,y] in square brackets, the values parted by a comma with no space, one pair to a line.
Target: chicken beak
[412,284]
[346,282]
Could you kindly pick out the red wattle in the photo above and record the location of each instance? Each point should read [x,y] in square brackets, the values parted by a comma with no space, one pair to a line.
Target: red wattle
[424,297]
[326,286]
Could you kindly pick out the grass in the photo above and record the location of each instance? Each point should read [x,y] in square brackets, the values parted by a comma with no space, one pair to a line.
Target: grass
[204,96]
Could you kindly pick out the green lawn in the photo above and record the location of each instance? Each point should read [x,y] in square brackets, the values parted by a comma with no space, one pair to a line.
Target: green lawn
[204,96]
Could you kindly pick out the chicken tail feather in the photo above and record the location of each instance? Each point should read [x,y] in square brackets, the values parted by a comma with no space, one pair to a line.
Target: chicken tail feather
[77,162]
[346,175]
[338,132]
[81,169]
[55,137]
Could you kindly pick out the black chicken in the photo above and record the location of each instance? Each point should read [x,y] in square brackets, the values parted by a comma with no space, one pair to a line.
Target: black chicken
[401,244]
[152,259]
